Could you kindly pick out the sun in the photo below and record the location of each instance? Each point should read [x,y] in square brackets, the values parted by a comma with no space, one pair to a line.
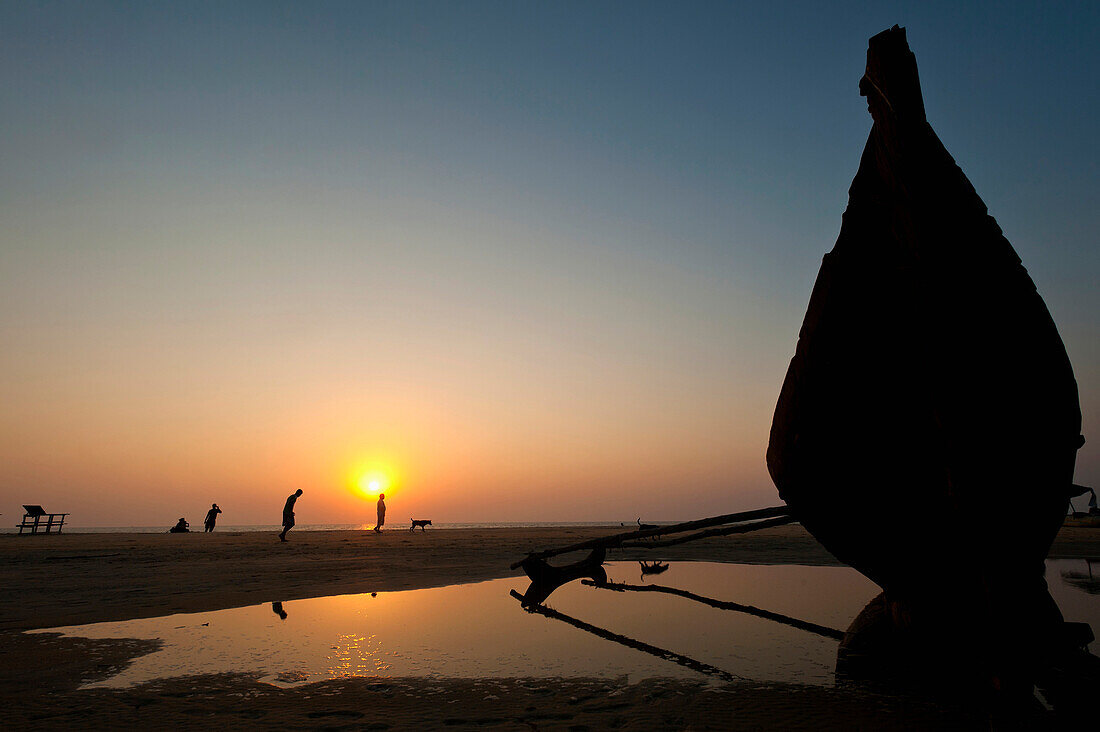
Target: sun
[367,478]
[372,483]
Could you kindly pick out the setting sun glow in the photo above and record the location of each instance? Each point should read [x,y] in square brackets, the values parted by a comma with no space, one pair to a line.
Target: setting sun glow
[372,481]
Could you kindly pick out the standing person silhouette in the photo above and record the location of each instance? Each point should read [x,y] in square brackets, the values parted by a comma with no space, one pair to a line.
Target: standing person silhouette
[288,514]
[381,512]
[211,517]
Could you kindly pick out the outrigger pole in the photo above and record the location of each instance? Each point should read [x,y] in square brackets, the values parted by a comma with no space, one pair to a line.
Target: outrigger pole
[779,515]
[821,630]
[724,531]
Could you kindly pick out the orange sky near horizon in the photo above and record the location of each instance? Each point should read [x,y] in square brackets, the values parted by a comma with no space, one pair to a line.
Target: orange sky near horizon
[130,457]
[597,402]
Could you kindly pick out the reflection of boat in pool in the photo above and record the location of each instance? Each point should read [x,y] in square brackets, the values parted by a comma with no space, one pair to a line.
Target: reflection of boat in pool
[1085,581]
[929,386]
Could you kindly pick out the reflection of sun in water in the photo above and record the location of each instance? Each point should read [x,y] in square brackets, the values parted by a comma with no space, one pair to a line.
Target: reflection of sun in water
[357,655]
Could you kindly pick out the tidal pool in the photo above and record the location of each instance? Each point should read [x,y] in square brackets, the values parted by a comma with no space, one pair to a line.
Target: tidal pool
[480,631]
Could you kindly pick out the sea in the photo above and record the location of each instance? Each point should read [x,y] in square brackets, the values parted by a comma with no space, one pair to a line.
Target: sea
[225,529]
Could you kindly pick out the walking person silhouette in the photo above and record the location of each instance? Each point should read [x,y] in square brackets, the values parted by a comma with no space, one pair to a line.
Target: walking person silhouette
[288,514]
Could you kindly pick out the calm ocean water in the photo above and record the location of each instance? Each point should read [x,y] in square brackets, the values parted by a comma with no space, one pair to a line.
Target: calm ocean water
[197,527]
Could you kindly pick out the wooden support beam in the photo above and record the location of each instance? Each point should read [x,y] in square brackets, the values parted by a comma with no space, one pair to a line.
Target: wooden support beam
[616,540]
[724,531]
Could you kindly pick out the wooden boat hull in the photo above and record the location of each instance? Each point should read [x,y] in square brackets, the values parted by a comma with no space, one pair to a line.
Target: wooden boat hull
[929,385]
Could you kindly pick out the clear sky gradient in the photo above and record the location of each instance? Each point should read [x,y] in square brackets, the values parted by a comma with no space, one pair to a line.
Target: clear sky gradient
[517,261]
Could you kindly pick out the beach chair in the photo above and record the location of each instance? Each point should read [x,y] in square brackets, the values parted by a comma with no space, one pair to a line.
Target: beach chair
[39,521]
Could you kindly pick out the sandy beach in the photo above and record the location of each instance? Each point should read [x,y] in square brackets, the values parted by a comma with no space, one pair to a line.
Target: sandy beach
[98,577]
[75,578]
[83,578]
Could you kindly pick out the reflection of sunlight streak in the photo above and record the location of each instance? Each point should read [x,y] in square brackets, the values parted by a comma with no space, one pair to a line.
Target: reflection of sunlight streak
[357,655]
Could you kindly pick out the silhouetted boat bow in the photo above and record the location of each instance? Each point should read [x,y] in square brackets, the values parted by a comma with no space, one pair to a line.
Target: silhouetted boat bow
[930,411]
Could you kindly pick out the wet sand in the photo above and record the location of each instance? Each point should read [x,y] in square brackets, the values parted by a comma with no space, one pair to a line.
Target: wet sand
[81,578]
[46,698]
